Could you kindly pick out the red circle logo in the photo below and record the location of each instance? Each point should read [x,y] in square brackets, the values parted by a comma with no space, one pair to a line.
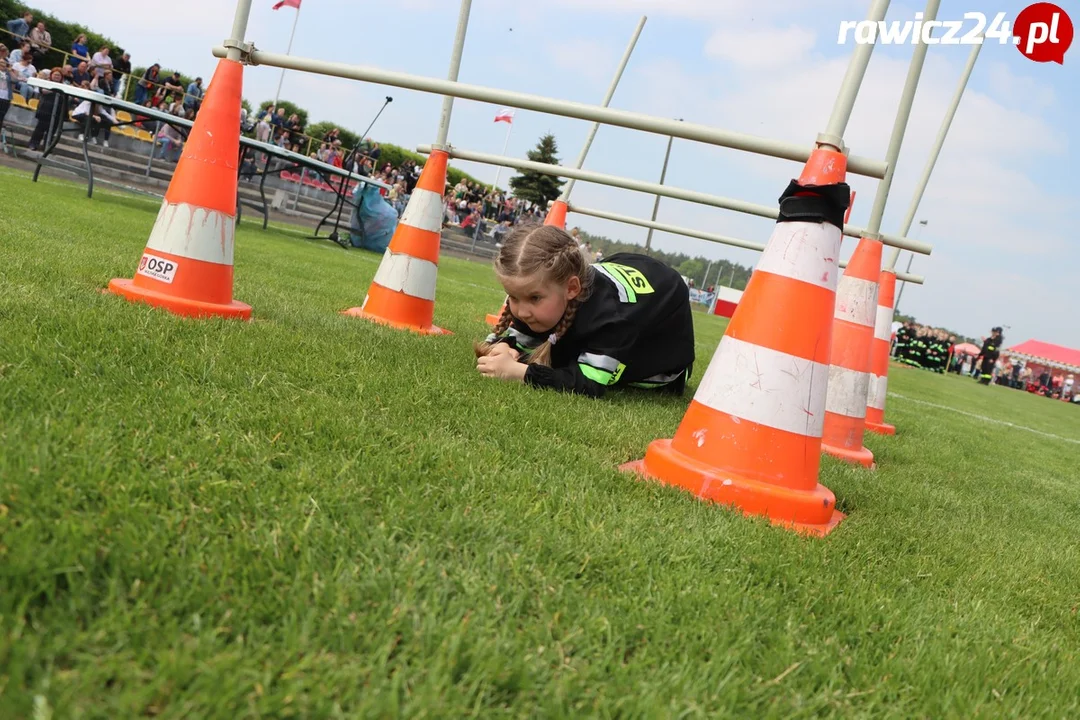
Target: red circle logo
[1043,32]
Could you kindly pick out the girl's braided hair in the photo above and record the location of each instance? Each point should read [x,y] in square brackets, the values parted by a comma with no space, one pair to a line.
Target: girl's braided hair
[545,249]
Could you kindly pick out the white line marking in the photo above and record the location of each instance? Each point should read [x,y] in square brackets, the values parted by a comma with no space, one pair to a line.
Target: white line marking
[986,419]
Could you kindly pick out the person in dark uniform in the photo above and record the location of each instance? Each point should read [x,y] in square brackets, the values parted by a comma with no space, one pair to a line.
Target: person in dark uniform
[988,355]
[903,339]
[583,328]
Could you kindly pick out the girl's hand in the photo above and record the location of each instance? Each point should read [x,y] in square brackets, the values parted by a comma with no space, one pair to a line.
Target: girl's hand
[504,349]
[502,365]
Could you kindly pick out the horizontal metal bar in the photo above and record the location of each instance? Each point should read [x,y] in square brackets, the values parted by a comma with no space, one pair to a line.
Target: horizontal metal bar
[700,234]
[765,211]
[674,229]
[621,118]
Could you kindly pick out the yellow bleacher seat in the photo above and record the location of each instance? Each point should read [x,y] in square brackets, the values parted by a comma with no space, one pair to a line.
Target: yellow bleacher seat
[123,116]
[34,104]
[144,136]
[125,130]
[19,100]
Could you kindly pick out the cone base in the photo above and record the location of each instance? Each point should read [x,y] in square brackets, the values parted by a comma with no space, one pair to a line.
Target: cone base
[881,429]
[809,512]
[178,305]
[492,320]
[862,456]
[430,330]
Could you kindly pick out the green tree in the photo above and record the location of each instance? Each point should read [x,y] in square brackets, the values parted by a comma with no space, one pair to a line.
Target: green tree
[533,186]
[693,269]
[63,34]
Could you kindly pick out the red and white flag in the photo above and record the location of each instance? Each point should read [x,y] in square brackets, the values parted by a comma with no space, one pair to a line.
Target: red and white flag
[287,3]
[505,115]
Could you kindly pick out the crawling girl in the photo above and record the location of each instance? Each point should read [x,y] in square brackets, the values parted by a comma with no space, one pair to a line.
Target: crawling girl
[583,328]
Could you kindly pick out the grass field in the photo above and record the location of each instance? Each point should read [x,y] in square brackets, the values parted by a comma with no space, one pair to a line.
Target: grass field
[313,516]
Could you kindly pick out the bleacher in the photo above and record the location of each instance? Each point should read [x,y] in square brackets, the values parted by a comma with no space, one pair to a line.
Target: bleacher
[126,162]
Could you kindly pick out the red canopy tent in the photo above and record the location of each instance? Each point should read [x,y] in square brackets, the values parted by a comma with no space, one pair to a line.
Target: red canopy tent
[1049,356]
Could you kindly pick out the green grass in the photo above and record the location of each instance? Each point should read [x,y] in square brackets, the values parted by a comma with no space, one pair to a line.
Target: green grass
[314,516]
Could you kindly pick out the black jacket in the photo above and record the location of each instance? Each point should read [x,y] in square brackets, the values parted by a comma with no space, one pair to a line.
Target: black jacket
[636,328]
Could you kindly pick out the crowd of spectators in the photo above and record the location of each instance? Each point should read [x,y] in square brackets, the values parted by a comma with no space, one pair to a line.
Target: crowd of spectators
[95,70]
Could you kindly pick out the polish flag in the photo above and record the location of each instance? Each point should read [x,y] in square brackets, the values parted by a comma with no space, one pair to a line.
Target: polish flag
[505,115]
[287,3]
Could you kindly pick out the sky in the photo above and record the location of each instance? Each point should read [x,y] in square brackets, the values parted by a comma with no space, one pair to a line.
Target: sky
[995,208]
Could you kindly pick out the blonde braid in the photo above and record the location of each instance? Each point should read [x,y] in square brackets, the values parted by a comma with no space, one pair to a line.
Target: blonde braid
[542,354]
[484,348]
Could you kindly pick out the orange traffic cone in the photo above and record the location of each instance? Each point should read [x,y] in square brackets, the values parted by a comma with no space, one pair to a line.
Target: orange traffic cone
[879,357]
[556,216]
[187,267]
[752,434]
[402,295]
[849,370]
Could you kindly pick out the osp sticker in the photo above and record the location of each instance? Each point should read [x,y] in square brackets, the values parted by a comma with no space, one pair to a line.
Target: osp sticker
[157,268]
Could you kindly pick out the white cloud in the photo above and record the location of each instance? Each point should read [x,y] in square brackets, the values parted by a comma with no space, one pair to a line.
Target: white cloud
[587,58]
[761,47]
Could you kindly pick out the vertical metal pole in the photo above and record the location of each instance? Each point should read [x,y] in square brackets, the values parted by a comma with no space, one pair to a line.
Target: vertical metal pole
[153,147]
[281,80]
[656,203]
[607,101]
[455,65]
[239,27]
[903,113]
[506,144]
[900,293]
[934,152]
[849,88]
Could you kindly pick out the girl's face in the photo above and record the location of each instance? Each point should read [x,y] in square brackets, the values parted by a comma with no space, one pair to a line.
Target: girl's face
[539,303]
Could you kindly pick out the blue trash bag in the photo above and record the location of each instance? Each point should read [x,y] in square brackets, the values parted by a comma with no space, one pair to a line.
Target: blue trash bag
[373,220]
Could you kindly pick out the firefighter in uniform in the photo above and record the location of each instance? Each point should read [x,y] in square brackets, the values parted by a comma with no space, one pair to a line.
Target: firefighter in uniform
[991,349]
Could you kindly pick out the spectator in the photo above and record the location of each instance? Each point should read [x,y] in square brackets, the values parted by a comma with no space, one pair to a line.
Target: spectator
[262,128]
[101,61]
[104,84]
[43,114]
[99,117]
[145,87]
[173,84]
[20,27]
[22,71]
[23,50]
[7,82]
[69,73]
[193,98]
[80,53]
[81,74]
[40,40]
[296,133]
[172,142]
[121,70]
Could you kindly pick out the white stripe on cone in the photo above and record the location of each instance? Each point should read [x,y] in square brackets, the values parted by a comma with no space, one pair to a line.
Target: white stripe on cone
[766,386]
[879,386]
[193,232]
[883,324]
[409,275]
[848,390]
[803,251]
[856,301]
[424,211]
